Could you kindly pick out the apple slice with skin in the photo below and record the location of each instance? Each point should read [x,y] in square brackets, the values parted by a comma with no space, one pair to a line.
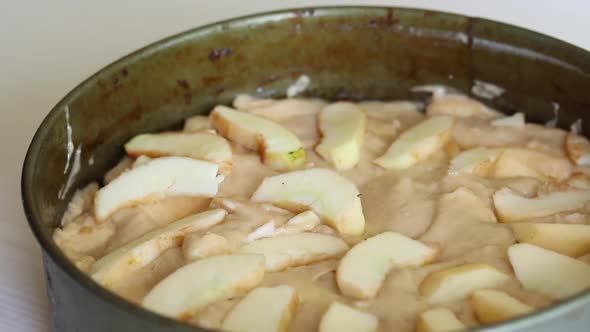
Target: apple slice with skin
[196,285]
[286,251]
[479,161]
[567,239]
[142,251]
[204,146]
[578,149]
[439,320]
[511,207]
[157,179]
[342,318]
[279,148]
[417,143]
[547,272]
[264,309]
[456,283]
[333,197]
[491,306]
[342,126]
[364,267]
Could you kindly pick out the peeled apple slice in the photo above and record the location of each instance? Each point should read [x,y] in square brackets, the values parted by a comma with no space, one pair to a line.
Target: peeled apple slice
[142,251]
[478,161]
[515,120]
[456,283]
[364,267]
[342,126]
[330,195]
[547,272]
[417,143]
[196,285]
[567,239]
[279,148]
[157,179]
[491,306]
[204,146]
[295,249]
[511,207]
[264,309]
[439,320]
[342,318]
[578,149]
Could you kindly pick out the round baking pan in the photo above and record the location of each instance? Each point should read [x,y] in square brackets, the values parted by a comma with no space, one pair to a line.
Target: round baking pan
[351,53]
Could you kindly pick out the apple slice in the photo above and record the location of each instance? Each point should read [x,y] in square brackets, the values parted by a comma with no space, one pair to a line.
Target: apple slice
[417,143]
[578,149]
[514,162]
[515,120]
[286,251]
[264,309]
[567,239]
[511,207]
[279,148]
[202,146]
[196,123]
[547,272]
[198,246]
[460,106]
[456,283]
[196,285]
[342,126]
[491,306]
[157,179]
[342,318]
[479,161]
[364,267]
[303,222]
[248,102]
[439,320]
[333,197]
[142,251]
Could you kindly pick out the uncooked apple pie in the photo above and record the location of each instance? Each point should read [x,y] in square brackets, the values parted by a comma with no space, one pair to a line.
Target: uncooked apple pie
[304,215]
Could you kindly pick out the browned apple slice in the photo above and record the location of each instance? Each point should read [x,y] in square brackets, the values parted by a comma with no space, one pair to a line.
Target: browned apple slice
[511,207]
[491,306]
[264,309]
[196,285]
[364,267]
[547,272]
[456,283]
[279,148]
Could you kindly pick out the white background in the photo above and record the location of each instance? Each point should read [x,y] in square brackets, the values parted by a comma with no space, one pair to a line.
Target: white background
[47,47]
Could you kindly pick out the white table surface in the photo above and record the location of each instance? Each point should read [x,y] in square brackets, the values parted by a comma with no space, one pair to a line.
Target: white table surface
[47,47]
